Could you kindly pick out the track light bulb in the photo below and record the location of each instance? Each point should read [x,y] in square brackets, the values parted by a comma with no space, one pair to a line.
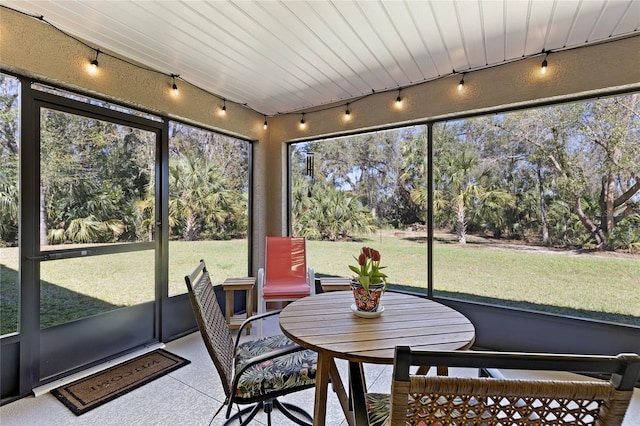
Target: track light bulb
[303,123]
[265,125]
[347,113]
[223,110]
[543,67]
[461,84]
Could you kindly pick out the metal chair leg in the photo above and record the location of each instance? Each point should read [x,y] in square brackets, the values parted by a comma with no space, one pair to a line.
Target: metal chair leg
[287,409]
[236,419]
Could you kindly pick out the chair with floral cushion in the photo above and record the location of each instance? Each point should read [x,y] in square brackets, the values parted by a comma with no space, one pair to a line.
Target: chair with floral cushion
[254,372]
[447,400]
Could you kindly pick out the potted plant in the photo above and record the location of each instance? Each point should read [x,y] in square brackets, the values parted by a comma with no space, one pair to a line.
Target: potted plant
[369,283]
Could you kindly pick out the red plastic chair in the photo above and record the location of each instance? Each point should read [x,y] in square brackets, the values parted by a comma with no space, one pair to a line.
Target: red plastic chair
[285,276]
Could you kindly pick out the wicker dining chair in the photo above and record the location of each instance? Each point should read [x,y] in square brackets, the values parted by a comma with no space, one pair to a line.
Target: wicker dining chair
[452,401]
[254,372]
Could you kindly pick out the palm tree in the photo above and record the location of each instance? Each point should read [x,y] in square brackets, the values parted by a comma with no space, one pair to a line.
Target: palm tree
[462,186]
[413,173]
[79,211]
[198,195]
[144,214]
[491,212]
[329,214]
[8,208]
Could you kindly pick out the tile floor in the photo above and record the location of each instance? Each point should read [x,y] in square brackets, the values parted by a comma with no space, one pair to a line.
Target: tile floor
[191,395]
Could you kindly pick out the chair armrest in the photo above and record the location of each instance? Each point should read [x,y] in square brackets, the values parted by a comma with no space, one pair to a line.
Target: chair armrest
[252,319]
[285,350]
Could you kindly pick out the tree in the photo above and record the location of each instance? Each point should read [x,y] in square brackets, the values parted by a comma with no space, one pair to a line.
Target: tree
[9,149]
[588,150]
[566,174]
[91,171]
[329,214]
[366,164]
[73,207]
[462,187]
[143,212]
[611,128]
[524,136]
[413,175]
[197,194]
[469,186]
[200,203]
[8,208]
[208,184]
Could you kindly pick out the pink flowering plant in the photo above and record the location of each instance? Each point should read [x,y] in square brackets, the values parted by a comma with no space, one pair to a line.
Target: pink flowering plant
[368,269]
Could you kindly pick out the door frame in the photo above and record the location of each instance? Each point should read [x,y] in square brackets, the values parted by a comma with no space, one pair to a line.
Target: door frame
[47,354]
[23,365]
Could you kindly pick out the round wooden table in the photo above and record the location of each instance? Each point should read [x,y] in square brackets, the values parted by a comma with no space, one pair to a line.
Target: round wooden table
[325,323]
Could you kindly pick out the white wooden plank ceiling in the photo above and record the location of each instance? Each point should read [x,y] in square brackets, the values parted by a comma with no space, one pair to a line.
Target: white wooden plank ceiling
[283,56]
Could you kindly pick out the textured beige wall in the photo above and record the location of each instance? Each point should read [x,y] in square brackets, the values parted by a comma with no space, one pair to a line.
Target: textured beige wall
[32,48]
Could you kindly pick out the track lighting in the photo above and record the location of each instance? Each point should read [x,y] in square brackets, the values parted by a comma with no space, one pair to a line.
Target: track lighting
[223,110]
[543,67]
[347,113]
[175,86]
[303,123]
[461,84]
[265,125]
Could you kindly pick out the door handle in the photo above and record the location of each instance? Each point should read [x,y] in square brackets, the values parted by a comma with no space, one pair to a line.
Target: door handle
[63,255]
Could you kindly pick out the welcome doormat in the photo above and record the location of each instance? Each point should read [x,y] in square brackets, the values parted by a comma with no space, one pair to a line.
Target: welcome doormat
[92,391]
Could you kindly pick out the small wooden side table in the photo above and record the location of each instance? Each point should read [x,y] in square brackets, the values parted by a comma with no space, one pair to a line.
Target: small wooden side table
[335,284]
[230,285]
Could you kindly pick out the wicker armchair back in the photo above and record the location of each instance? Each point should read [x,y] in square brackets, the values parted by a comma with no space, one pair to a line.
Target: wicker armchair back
[455,400]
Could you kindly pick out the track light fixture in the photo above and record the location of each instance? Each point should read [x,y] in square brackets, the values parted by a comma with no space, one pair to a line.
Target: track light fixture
[543,67]
[174,86]
[265,125]
[303,123]
[347,113]
[94,63]
[223,110]
[461,84]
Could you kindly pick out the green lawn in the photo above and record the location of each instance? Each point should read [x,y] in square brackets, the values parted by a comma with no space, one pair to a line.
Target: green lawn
[579,285]
[586,285]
